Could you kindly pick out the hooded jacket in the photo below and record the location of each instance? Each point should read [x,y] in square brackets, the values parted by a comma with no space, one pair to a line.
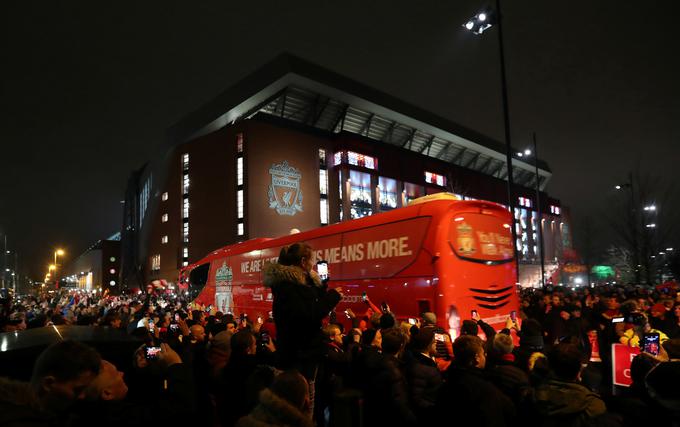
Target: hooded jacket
[567,403]
[273,411]
[300,305]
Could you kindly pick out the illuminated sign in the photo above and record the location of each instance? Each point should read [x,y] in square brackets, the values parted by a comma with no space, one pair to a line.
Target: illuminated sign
[284,192]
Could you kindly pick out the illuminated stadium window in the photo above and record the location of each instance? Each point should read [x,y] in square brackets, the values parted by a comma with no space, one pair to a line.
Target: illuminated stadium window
[388,193]
[164,239]
[164,218]
[413,191]
[185,252]
[355,159]
[185,208]
[323,181]
[185,184]
[185,232]
[436,179]
[239,204]
[239,229]
[323,210]
[360,194]
[239,143]
[155,262]
[164,196]
[239,171]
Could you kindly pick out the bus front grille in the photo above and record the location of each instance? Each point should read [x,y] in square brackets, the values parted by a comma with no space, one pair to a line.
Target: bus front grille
[492,299]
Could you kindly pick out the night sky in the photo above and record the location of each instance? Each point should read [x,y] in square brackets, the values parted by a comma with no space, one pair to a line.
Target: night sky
[89,89]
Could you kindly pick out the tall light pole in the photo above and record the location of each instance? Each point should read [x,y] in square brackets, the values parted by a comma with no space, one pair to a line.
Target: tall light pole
[539,210]
[634,226]
[478,25]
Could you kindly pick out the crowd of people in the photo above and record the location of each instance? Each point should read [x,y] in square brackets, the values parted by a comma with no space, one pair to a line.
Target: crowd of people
[300,366]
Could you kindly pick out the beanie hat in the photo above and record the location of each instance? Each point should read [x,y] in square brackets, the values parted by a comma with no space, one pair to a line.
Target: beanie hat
[429,317]
[422,339]
[222,341]
[469,327]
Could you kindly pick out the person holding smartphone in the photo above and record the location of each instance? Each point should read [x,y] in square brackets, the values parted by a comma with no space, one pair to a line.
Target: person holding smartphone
[301,302]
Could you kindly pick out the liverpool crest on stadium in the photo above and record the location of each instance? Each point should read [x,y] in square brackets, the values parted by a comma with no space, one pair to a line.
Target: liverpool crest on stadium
[284,192]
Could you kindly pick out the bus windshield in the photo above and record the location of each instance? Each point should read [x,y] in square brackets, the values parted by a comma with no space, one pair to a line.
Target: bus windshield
[481,237]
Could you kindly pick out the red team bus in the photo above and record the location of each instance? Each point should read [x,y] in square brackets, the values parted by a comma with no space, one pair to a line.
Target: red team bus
[446,256]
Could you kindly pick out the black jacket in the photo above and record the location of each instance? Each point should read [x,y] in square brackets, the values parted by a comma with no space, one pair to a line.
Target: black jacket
[424,384]
[300,305]
[467,391]
[386,397]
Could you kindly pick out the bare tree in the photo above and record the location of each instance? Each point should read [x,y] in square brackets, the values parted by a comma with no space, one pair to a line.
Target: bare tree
[641,216]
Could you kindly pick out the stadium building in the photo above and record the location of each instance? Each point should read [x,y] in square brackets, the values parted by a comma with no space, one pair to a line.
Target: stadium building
[297,146]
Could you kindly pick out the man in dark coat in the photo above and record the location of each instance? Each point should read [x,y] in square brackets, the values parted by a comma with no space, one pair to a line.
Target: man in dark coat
[105,399]
[386,398]
[423,374]
[563,400]
[467,391]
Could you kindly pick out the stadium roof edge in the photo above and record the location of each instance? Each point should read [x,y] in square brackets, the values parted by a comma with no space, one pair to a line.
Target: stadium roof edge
[264,84]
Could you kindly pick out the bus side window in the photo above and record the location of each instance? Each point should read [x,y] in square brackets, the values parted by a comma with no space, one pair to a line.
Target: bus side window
[423,306]
[197,279]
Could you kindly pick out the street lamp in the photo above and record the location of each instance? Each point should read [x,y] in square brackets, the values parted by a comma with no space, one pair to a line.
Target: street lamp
[479,23]
[57,253]
[539,223]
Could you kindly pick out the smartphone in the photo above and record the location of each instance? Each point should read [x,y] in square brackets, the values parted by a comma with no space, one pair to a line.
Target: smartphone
[264,337]
[473,313]
[322,269]
[651,343]
[513,315]
[364,298]
[174,327]
[439,337]
[411,321]
[384,307]
[617,320]
[243,317]
[151,352]
[347,314]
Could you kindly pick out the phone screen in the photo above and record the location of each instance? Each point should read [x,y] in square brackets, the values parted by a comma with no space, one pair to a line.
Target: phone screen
[412,321]
[617,320]
[151,352]
[439,337]
[322,269]
[651,344]
[264,337]
[363,297]
[174,327]
[513,315]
